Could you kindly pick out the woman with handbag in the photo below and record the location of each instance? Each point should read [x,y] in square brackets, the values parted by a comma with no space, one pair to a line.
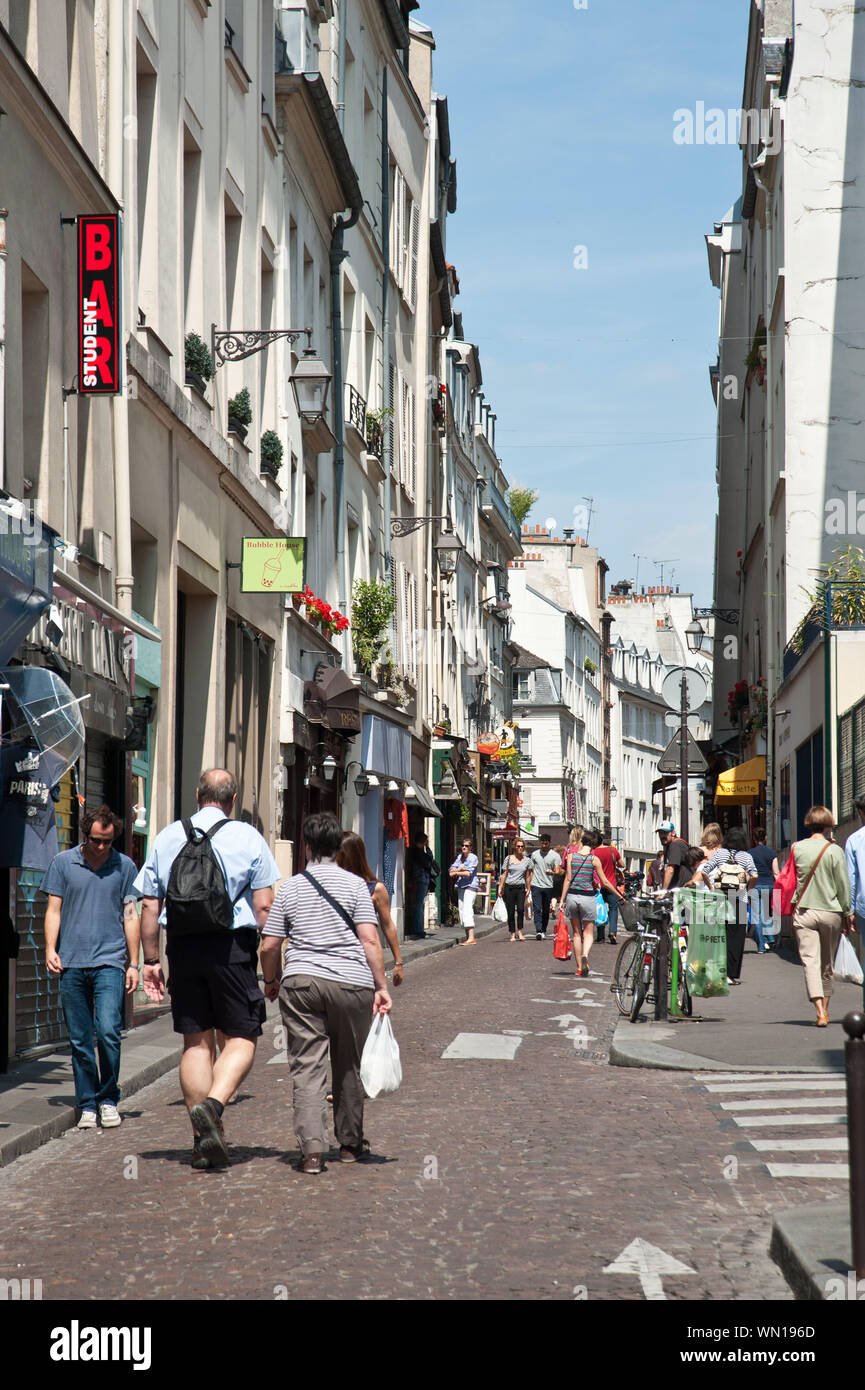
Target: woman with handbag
[580,896]
[821,906]
[515,886]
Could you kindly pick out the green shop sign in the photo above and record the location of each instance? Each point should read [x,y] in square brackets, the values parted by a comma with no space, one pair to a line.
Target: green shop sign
[273,565]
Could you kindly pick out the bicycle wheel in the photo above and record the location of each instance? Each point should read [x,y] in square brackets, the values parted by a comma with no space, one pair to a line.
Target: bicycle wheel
[641,987]
[624,972]
[683,996]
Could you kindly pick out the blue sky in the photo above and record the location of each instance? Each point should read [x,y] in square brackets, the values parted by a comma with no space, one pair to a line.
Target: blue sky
[562,125]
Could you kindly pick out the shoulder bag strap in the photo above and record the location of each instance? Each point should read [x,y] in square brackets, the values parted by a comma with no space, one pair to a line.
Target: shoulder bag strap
[811,873]
[337,907]
[208,834]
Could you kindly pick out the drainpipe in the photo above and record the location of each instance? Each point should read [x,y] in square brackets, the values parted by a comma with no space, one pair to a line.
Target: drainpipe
[337,256]
[3,215]
[768,490]
[119,404]
[387,403]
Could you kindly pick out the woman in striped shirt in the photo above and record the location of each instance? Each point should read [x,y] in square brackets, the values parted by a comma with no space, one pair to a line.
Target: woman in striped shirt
[584,873]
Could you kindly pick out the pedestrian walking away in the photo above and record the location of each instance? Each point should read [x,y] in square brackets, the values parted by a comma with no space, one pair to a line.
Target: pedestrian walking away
[423,872]
[464,872]
[579,892]
[92,940]
[610,860]
[760,898]
[674,849]
[544,866]
[821,906]
[854,853]
[330,988]
[515,887]
[732,871]
[351,856]
[210,880]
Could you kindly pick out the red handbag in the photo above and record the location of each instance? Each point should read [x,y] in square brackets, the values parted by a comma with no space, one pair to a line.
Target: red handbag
[562,947]
[785,888]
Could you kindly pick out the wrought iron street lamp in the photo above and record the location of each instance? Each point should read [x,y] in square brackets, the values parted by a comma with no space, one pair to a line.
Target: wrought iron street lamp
[447,549]
[694,634]
[309,382]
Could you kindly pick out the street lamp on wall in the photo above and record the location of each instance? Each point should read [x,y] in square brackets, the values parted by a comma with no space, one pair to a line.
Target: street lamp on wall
[447,549]
[694,634]
[309,382]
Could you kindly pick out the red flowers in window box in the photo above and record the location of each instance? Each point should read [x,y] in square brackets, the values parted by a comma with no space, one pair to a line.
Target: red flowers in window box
[317,611]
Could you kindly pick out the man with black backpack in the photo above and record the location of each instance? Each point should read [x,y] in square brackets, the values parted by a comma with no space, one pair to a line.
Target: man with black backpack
[210,880]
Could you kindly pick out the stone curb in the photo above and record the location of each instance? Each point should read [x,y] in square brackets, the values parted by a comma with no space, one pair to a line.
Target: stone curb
[811,1246]
[626,1050]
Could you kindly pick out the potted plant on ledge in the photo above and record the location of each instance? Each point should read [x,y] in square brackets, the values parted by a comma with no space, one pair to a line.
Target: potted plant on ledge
[375,422]
[198,363]
[373,604]
[271,453]
[239,414]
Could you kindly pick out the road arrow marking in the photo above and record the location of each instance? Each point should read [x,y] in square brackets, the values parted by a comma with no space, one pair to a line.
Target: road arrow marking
[564,1020]
[648,1263]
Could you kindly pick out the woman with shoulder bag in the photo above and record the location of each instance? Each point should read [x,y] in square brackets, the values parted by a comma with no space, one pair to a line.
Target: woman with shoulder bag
[821,906]
[731,870]
[579,896]
[515,886]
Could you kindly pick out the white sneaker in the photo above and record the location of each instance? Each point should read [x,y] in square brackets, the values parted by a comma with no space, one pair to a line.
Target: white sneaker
[109,1116]
[88,1120]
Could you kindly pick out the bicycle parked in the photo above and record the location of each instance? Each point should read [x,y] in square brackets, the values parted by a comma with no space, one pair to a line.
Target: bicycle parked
[635,971]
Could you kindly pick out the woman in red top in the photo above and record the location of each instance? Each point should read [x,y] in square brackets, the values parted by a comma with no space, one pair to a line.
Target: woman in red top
[610,859]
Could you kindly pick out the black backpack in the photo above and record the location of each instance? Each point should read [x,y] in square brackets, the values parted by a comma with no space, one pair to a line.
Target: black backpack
[196,899]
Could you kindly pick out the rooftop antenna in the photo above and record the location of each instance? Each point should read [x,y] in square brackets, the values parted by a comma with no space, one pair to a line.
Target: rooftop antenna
[660,565]
[638,558]
[591,502]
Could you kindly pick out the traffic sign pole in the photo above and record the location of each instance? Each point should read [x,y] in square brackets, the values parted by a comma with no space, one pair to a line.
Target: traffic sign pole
[683,773]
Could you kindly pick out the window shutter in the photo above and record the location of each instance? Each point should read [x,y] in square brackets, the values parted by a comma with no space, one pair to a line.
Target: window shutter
[413,627]
[393,402]
[413,250]
[411,454]
[394,186]
[403,428]
[400,229]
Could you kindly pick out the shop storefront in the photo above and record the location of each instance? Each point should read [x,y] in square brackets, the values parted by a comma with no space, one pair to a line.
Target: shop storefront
[386,757]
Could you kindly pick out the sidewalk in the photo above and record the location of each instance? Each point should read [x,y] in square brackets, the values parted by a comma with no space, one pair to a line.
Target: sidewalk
[764,1024]
[37,1097]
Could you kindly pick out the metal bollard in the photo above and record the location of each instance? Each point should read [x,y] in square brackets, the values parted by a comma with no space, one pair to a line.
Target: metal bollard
[854,1064]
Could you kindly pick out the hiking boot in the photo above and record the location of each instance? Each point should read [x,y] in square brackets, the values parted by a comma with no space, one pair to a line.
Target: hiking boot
[199,1160]
[211,1135]
[312,1163]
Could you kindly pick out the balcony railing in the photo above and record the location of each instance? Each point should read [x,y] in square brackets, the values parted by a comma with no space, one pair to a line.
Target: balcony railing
[503,510]
[357,411]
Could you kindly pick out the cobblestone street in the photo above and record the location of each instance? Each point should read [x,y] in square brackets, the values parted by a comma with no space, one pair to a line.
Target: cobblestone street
[490,1179]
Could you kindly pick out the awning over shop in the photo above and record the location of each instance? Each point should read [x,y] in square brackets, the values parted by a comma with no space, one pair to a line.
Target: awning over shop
[26,582]
[386,748]
[740,785]
[332,700]
[422,801]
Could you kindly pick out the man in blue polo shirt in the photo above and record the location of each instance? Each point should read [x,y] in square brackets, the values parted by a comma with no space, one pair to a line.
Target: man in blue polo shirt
[92,937]
[213,974]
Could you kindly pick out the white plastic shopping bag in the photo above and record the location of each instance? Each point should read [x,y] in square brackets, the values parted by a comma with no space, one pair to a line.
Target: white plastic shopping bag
[380,1067]
[500,911]
[847,965]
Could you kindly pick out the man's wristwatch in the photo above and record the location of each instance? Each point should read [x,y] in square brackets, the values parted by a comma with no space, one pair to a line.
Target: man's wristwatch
[130,966]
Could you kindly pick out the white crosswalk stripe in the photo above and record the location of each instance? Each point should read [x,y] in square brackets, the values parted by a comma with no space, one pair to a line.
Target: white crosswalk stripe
[787,1101]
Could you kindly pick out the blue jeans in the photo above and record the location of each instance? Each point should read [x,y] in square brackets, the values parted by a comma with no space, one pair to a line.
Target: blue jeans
[421,890]
[541,899]
[760,904]
[613,920]
[92,999]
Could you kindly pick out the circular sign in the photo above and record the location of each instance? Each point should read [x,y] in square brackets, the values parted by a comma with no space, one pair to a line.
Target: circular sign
[696,688]
[489,743]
